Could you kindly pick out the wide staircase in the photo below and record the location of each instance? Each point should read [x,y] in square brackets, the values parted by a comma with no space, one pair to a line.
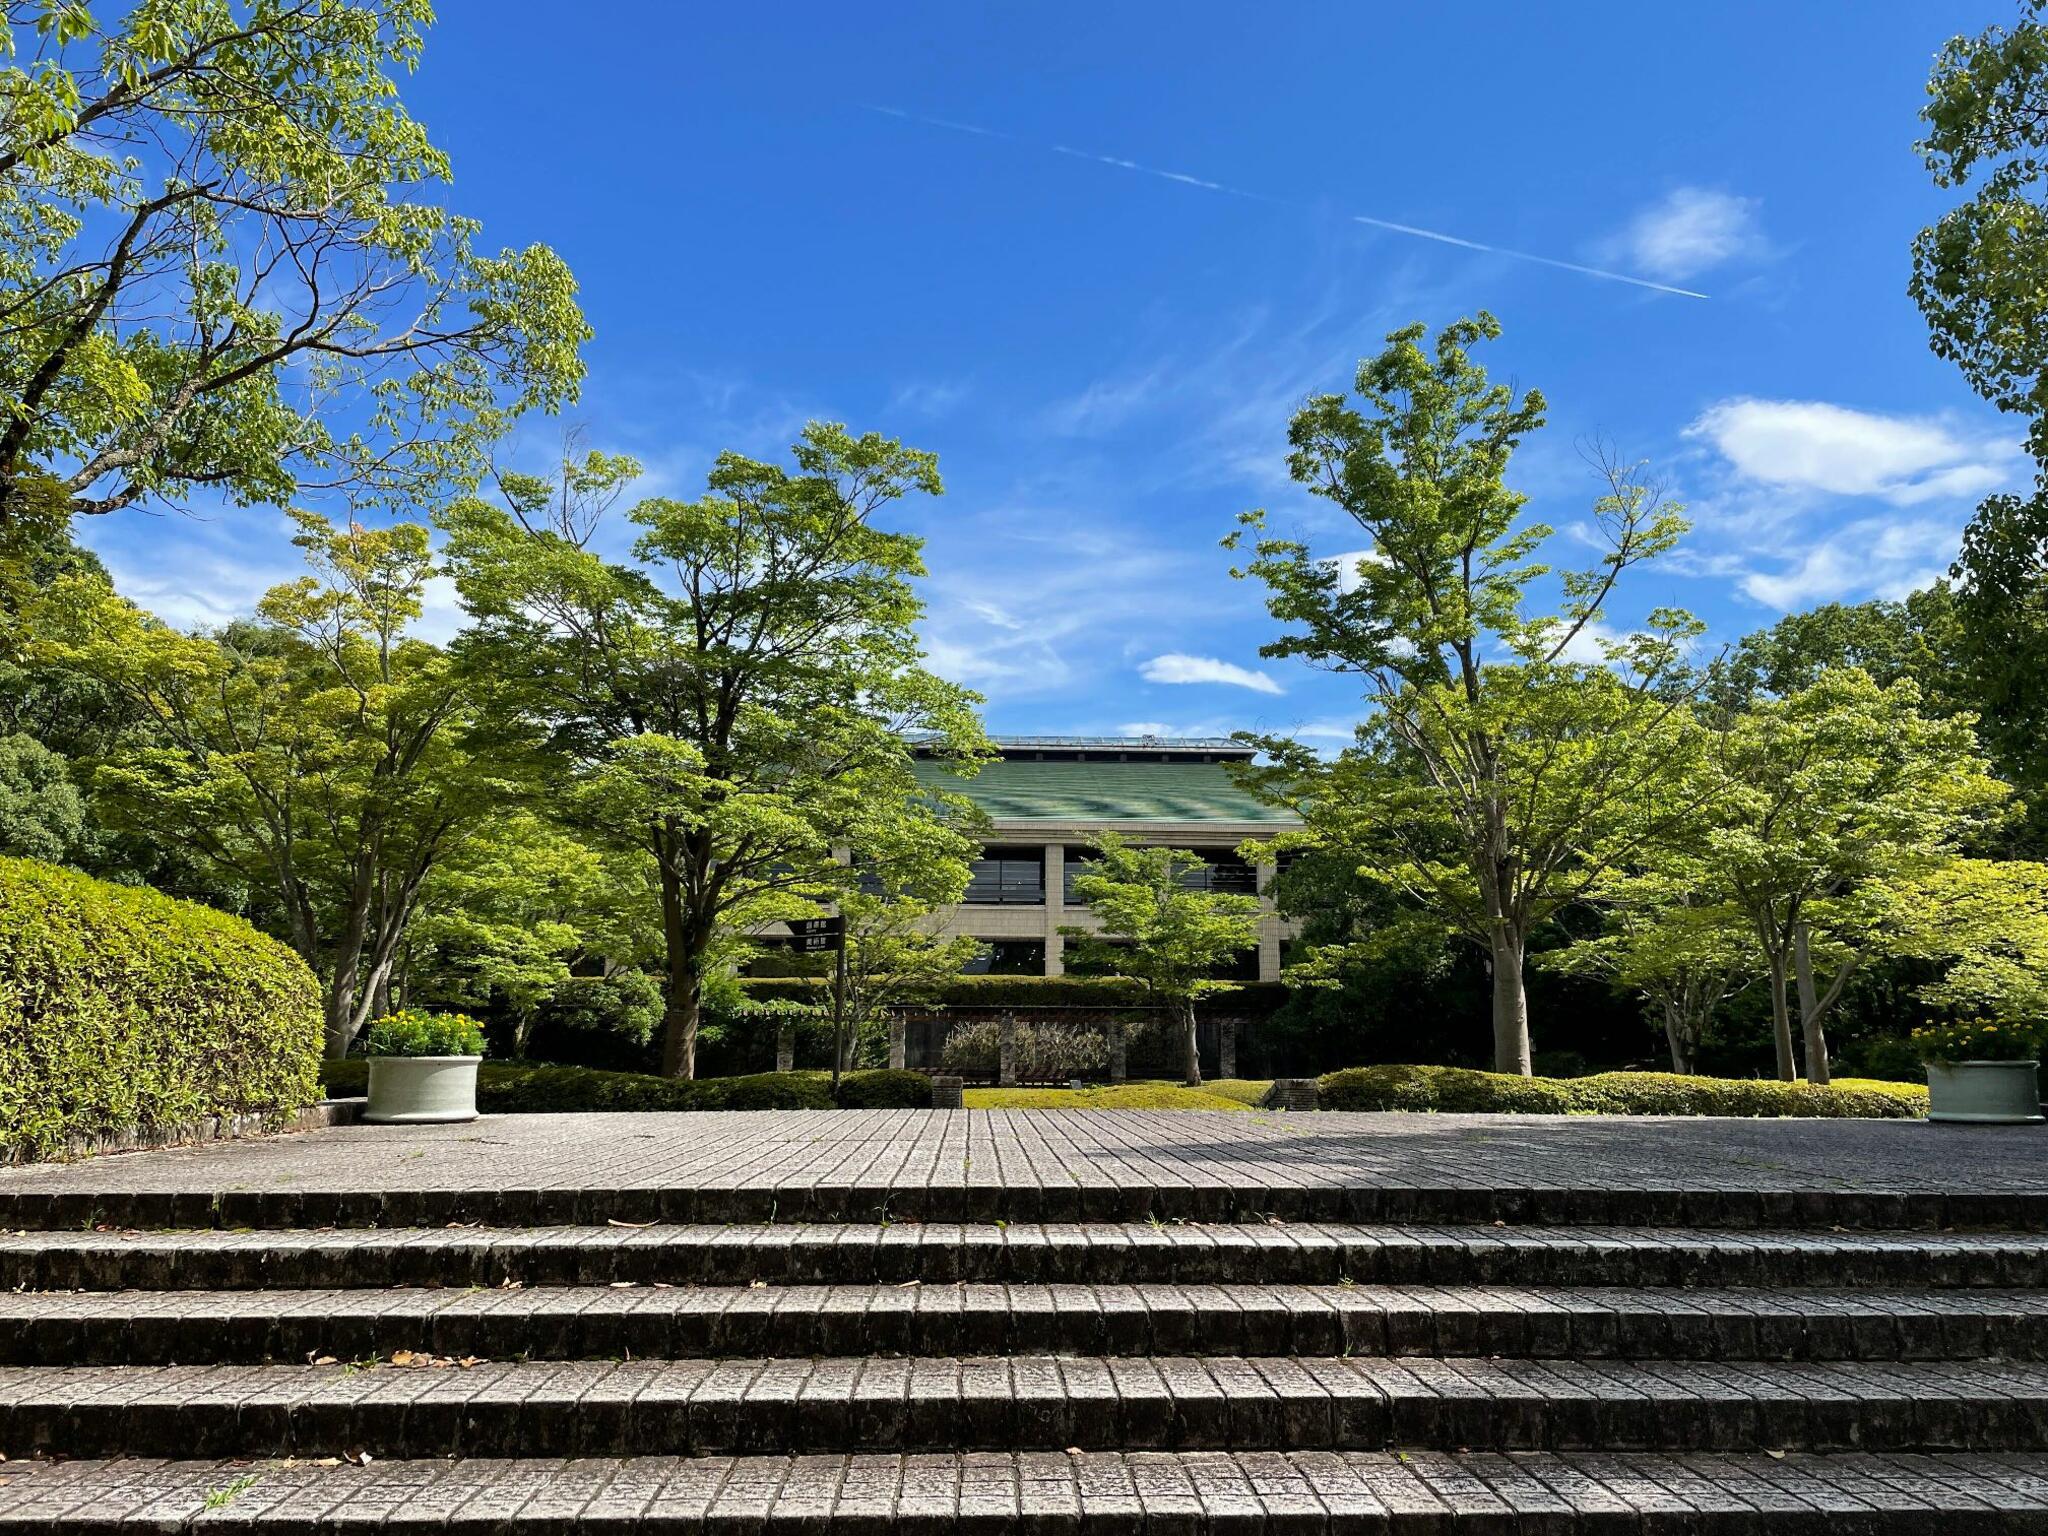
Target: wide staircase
[165,1367]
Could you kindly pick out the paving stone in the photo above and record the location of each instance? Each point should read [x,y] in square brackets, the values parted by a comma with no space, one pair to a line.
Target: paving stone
[978,1165]
[1515,1493]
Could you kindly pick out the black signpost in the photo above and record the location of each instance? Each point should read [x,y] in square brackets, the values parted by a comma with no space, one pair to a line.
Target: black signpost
[817,936]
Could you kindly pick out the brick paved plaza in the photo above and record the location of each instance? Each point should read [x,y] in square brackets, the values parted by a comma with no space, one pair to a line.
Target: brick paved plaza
[1033,1165]
[1060,1321]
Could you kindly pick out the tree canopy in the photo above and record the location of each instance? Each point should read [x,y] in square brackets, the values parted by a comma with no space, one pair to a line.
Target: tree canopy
[736,699]
[1156,928]
[1510,750]
[214,272]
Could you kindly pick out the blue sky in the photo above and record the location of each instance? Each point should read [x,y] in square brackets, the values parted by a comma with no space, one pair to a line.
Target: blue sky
[1105,358]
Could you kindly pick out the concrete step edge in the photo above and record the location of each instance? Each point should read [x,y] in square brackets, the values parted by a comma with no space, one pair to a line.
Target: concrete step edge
[1253,1491]
[208,1259]
[663,1322]
[1026,1402]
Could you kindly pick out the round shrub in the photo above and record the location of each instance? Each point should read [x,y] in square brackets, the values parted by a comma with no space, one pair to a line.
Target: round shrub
[411,1032]
[885,1090]
[122,1008]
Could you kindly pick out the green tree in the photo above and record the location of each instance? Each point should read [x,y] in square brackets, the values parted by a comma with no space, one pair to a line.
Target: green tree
[1510,752]
[1832,798]
[1980,270]
[736,700]
[503,919]
[1986,922]
[313,755]
[1155,928]
[210,276]
[1683,952]
[42,814]
[1917,637]
[2001,603]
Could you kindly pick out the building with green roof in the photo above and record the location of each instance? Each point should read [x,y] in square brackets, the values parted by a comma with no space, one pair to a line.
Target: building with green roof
[1046,797]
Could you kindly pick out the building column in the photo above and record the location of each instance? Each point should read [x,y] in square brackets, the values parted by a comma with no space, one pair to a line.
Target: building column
[1055,908]
[1269,925]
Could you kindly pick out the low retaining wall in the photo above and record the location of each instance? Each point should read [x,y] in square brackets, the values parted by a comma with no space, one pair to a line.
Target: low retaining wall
[192,1132]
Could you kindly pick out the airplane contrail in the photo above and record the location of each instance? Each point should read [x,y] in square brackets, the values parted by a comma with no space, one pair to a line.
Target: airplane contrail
[1181,178]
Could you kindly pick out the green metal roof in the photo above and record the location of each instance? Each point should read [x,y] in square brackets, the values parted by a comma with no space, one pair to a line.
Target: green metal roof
[1127,792]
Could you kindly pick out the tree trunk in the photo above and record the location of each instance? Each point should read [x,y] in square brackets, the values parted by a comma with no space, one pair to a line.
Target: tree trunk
[683,1006]
[1511,1051]
[1679,1035]
[341,1010]
[1781,1021]
[1816,1040]
[1192,1074]
[1116,1050]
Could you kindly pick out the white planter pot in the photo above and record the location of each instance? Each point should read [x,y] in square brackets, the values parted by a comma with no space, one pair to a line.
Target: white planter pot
[1984,1092]
[421,1090]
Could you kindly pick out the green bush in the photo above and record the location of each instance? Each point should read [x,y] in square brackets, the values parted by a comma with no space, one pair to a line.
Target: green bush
[1457,1090]
[883,1089]
[411,1032]
[122,1008]
[520,1087]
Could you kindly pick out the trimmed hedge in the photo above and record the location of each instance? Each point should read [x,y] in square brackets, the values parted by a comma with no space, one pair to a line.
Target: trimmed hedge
[1458,1090]
[535,1088]
[124,1008]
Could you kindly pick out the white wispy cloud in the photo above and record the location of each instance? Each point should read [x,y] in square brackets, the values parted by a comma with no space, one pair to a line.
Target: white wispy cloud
[1798,502]
[1689,231]
[1031,599]
[927,397]
[1204,184]
[1874,556]
[1816,446]
[1179,667]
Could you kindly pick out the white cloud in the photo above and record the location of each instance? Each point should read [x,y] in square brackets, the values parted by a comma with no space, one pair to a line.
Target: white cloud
[1813,445]
[1584,648]
[1691,230]
[927,397]
[1349,577]
[1889,556]
[1145,728]
[1179,667]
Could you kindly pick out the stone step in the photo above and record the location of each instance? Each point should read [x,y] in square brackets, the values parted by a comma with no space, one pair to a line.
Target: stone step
[1534,1493]
[662,1322]
[703,1407]
[1027,1253]
[26,1207]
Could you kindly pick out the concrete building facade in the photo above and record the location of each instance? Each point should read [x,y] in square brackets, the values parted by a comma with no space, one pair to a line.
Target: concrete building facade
[1048,797]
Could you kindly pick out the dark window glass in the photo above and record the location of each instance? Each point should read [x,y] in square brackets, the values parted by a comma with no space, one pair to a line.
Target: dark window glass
[1077,864]
[1009,957]
[1242,966]
[1005,877]
[1222,870]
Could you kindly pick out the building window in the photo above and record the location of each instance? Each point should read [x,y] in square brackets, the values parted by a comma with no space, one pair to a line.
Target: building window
[1009,957]
[1079,862]
[1222,870]
[1007,877]
[1242,966]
